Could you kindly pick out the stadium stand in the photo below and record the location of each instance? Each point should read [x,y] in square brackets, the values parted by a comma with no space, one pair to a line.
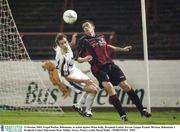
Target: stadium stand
[122,17]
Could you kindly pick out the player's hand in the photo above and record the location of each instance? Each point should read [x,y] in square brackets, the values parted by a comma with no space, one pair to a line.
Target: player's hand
[88,58]
[127,48]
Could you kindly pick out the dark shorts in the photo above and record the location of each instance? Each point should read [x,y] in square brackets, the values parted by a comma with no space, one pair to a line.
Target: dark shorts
[110,72]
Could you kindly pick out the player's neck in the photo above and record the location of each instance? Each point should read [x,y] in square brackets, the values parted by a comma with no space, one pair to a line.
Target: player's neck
[92,34]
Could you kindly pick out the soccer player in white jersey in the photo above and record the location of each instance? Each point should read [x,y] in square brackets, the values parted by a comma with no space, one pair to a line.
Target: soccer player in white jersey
[68,70]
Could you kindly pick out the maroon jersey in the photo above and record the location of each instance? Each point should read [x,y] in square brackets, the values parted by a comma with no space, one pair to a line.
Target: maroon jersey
[97,48]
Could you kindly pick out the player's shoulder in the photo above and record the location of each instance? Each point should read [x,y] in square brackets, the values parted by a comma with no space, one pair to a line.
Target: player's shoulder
[82,38]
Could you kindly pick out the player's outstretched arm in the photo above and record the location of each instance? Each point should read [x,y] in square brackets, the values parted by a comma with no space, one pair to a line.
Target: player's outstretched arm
[119,49]
[73,40]
[84,59]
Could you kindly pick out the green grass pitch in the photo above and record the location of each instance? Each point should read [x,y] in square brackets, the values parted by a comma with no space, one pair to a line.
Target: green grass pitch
[99,118]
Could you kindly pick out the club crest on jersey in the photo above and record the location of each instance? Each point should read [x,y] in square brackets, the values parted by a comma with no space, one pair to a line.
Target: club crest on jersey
[101,41]
[97,41]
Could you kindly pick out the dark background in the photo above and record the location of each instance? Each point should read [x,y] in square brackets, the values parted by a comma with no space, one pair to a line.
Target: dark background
[120,16]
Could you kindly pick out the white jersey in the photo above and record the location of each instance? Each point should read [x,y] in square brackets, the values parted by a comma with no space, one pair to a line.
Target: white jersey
[66,66]
[65,61]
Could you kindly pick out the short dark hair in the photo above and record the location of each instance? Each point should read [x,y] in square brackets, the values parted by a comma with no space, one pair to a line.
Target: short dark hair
[89,21]
[60,36]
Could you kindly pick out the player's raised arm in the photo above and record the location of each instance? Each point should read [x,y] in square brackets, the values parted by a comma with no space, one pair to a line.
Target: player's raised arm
[73,40]
[119,49]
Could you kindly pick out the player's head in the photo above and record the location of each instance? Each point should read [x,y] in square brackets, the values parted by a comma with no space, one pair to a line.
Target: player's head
[61,41]
[88,27]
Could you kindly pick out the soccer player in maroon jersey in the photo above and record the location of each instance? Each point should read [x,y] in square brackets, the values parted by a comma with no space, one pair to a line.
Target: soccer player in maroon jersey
[92,48]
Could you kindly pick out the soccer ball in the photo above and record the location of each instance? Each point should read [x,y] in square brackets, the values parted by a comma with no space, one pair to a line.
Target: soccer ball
[70,16]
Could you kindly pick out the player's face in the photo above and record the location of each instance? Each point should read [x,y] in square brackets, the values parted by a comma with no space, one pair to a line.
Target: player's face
[63,43]
[88,28]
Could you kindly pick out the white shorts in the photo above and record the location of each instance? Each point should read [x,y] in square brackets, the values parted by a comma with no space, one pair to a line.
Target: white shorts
[76,73]
[76,88]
